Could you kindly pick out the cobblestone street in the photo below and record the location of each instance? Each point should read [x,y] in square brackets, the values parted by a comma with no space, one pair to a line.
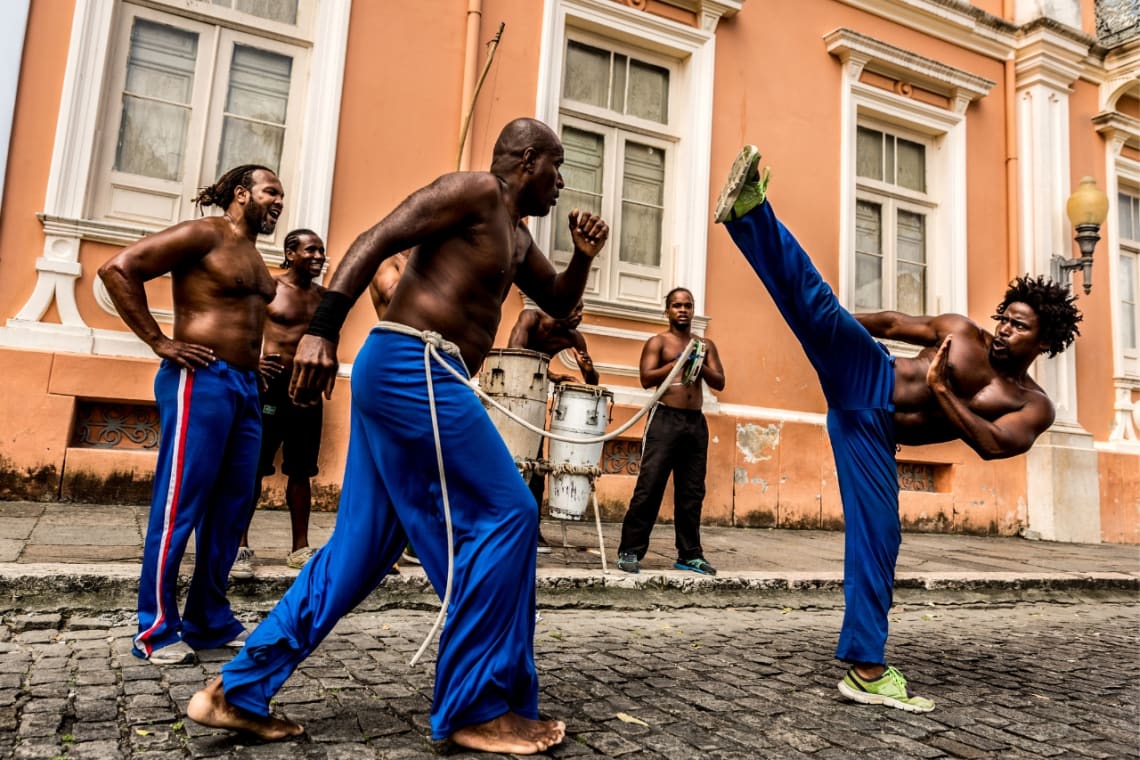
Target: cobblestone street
[1021,681]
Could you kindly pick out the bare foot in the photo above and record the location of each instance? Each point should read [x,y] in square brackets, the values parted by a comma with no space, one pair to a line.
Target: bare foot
[210,708]
[511,733]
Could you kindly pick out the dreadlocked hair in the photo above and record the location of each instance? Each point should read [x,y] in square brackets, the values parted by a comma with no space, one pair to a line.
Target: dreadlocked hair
[1057,315]
[292,240]
[221,193]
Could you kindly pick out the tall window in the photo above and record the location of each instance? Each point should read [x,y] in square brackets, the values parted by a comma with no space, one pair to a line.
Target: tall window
[892,213]
[1128,274]
[619,139]
[188,99]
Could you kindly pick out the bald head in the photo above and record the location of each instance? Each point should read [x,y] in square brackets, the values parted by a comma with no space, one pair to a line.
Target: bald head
[517,136]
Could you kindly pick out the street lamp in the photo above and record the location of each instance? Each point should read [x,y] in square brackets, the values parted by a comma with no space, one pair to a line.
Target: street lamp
[1087,208]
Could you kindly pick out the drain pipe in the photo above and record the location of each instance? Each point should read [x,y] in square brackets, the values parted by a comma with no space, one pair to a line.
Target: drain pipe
[470,72]
[1012,217]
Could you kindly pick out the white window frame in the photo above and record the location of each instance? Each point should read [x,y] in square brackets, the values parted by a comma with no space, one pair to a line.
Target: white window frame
[894,198]
[169,200]
[1128,181]
[943,131]
[607,285]
[64,217]
[692,51]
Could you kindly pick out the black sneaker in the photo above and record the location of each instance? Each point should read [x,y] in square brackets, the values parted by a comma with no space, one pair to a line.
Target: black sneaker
[628,562]
[696,565]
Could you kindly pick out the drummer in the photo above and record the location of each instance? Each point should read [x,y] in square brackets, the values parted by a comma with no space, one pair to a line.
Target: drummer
[536,330]
[676,440]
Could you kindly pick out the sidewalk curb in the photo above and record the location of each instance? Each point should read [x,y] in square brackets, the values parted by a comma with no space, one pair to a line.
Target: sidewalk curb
[48,586]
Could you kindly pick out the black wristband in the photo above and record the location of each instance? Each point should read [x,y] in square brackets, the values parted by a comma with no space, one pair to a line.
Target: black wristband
[329,316]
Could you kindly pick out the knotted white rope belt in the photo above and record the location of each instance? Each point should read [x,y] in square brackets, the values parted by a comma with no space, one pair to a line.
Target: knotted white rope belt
[434,343]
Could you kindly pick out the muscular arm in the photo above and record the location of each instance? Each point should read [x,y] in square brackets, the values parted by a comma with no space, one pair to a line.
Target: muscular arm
[1008,435]
[652,369]
[712,371]
[584,360]
[125,274]
[520,333]
[922,331]
[557,294]
[451,201]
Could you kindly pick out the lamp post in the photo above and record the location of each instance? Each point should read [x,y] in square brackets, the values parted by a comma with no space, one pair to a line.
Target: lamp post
[1087,208]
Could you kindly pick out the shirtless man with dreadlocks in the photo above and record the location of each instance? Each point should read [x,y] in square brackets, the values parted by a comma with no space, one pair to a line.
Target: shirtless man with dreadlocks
[207,395]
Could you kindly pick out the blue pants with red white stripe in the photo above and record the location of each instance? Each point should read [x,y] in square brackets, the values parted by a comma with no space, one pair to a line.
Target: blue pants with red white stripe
[858,380]
[391,493]
[207,462]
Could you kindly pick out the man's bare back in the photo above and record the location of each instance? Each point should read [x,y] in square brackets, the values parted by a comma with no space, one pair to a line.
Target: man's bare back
[537,331]
[383,285]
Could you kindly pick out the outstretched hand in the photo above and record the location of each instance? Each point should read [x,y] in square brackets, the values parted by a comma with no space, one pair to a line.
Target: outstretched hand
[938,374]
[588,232]
[314,371]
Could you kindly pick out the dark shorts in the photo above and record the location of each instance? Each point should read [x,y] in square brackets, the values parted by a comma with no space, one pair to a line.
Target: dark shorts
[294,429]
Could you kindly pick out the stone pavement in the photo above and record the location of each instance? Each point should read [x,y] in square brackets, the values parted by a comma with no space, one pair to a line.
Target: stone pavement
[1030,649]
[1041,680]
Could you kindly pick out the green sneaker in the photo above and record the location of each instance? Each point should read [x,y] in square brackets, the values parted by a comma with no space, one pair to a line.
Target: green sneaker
[745,188]
[888,689]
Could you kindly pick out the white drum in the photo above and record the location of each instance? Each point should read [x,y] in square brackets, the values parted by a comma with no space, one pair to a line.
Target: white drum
[517,379]
[580,411]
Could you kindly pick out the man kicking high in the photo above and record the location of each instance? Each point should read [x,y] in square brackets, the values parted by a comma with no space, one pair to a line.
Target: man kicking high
[966,384]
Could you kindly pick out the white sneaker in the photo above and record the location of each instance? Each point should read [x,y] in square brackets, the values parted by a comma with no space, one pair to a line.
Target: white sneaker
[178,653]
[297,559]
[237,642]
[243,565]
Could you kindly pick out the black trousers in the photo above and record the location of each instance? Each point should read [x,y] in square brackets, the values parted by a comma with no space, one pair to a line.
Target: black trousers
[676,443]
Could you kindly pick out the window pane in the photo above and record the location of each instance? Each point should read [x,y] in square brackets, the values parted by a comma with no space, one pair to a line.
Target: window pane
[868,256]
[911,263]
[869,153]
[582,171]
[642,206]
[156,100]
[253,128]
[587,77]
[648,92]
[1128,293]
[617,91]
[1127,227]
[912,165]
[274,10]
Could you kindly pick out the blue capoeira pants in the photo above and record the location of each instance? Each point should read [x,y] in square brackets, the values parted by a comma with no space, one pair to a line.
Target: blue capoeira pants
[207,460]
[857,376]
[391,486]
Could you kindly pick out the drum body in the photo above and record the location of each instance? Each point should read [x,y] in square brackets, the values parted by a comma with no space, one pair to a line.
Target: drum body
[581,411]
[517,379]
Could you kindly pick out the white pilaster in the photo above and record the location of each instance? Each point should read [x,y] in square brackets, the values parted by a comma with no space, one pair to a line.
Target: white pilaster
[1063,491]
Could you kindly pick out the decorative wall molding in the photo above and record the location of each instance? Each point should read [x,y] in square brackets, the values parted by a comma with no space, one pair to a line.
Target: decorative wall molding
[859,51]
[960,24]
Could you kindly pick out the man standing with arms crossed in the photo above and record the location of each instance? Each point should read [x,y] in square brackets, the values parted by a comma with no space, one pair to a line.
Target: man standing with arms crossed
[473,245]
[284,425]
[535,330]
[676,441]
[206,389]
[965,384]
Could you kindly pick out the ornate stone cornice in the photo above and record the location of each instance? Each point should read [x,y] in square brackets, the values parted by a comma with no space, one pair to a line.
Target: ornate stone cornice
[1118,129]
[1051,54]
[859,51]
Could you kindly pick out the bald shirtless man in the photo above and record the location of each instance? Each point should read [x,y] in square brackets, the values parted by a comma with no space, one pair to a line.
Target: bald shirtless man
[207,395]
[296,430]
[965,384]
[473,246]
[676,442]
